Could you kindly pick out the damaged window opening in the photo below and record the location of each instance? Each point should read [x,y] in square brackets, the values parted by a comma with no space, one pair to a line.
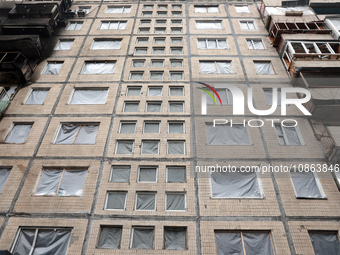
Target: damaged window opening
[52,68]
[209,24]
[288,135]
[64,44]
[147,174]
[133,91]
[175,201]
[142,238]
[264,68]
[131,107]
[150,147]
[124,147]
[242,9]
[127,127]
[74,25]
[151,127]
[268,93]
[175,238]
[37,96]
[74,133]
[106,44]
[325,242]
[248,25]
[225,95]
[176,147]
[255,44]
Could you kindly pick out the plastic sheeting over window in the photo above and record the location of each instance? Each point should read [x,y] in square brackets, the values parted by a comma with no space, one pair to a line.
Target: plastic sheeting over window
[176,91]
[58,182]
[42,241]
[175,174]
[150,147]
[306,185]
[74,25]
[106,44]
[175,238]
[287,135]
[142,238]
[176,75]
[133,91]
[227,135]
[263,68]
[37,96]
[176,63]
[131,107]
[176,147]
[124,147]
[209,25]
[282,10]
[147,174]
[64,45]
[176,127]
[153,106]
[268,93]
[136,75]
[4,173]
[112,25]
[157,63]
[155,91]
[19,133]
[146,201]
[151,127]
[176,107]
[77,134]
[234,185]
[98,68]
[255,44]
[212,67]
[325,243]
[212,44]
[138,63]
[118,9]
[127,127]
[206,9]
[247,25]
[120,174]
[175,201]
[336,23]
[110,238]
[225,95]
[89,96]
[116,200]
[52,68]
[242,9]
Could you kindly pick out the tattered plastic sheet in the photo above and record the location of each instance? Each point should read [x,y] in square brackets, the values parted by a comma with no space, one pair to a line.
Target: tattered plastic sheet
[106,45]
[176,174]
[49,182]
[89,96]
[305,185]
[110,238]
[264,68]
[52,68]
[120,173]
[325,243]
[142,238]
[174,238]
[147,174]
[37,96]
[4,173]
[124,147]
[282,10]
[176,147]
[98,68]
[146,201]
[18,134]
[116,200]
[64,45]
[77,134]
[175,202]
[227,135]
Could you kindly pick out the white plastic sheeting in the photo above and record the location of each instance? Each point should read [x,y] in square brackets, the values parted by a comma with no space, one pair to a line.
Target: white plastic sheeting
[175,174]
[77,134]
[64,45]
[325,243]
[305,185]
[37,96]
[142,238]
[4,173]
[120,174]
[176,91]
[116,200]
[147,174]
[212,67]
[268,93]
[234,185]
[176,107]
[247,25]
[146,201]
[42,242]
[153,106]
[118,9]
[282,10]
[112,25]
[174,238]
[176,127]
[131,107]
[176,147]
[151,127]
[336,23]
[110,238]
[209,25]
[124,147]
[106,44]
[98,68]
[255,44]
[264,68]
[19,133]
[227,135]
[127,127]
[175,201]
[206,9]
[150,147]
[212,44]
[89,96]
[52,68]
[242,9]
[154,91]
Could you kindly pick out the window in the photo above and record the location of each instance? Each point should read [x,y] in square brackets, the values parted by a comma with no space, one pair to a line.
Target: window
[176,147]
[175,174]
[133,91]
[115,200]
[118,9]
[112,25]
[176,22]
[145,22]
[160,30]
[61,182]
[176,6]
[176,50]
[156,75]
[89,96]
[110,237]
[176,13]
[288,135]
[141,50]
[268,93]
[163,6]
[127,127]
[136,75]
[77,134]
[157,62]
[98,67]
[159,40]
[106,44]
[242,9]
[235,185]
[209,24]
[144,30]
[52,68]
[145,201]
[142,40]
[37,96]
[176,127]
[85,9]
[336,23]
[306,185]
[213,67]
[325,242]
[138,63]
[150,147]
[160,21]
[142,238]
[176,91]
[74,25]
[225,96]
[19,133]
[176,40]
[176,106]
[131,107]
[153,106]
[176,63]
[264,67]
[4,173]
[227,135]
[248,25]
[249,243]
[151,127]
[120,174]
[148,6]
[147,174]
[158,50]
[155,91]
[212,44]
[146,14]
[176,75]
[42,240]
[175,201]
[175,238]
[124,147]
[64,44]
[255,44]
[206,8]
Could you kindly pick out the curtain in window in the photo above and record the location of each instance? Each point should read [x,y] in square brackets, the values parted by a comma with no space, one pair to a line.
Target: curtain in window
[89,96]
[305,185]
[18,134]
[174,238]
[227,135]
[120,174]
[116,200]
[110,238]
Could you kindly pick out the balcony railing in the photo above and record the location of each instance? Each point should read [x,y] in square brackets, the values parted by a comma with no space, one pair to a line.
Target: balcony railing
[330,139]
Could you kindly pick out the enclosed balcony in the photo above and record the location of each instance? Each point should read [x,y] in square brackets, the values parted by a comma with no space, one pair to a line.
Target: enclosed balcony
[330,140]
[5,97]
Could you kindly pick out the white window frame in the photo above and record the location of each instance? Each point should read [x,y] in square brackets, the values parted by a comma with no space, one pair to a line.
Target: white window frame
[176,192]
[122,140]
[107,197]
[133,87]
[118,6]
[175,87]
[176,121]
[251,40]
[318,184]
[145,192]
[142,227]
[136,72]
[113,21]
[157,60]
[127,122]
[158,87]
[152,122]
[298,133]
[167,146]
[216,39]
[247,23]
[124,166]
[130,102]
[138,174]
[185,173]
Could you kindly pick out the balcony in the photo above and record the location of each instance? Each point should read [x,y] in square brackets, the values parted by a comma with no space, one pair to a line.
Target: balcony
[330,140]
[5,97]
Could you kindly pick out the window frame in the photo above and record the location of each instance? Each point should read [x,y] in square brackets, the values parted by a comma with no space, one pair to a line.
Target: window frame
[75,23]
[124,105]
[217,43]
[264,62]
[298,133]
[136,72]
[133,87]
[100,233]
[64,40]
[242,5]
[145,192]
[142,227]
[124,140]
[183,90]
[176,192]
[119,22]
[34,89]
[216,67]
[152,122]
[126,122]
[175,140]
[148,140]
[87,88]
[107,197]
[206,8]
[46,68]
[176,121]
[114,62]
[166,173]
[12,127]
[118,6]
[318,185]
[247,23]
[251,40]
[171,73]
[138,174]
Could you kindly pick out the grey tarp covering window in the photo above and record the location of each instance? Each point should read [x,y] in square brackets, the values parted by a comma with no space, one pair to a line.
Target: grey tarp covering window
[176,127]
[124,147]
[227,135]
[72,183]
[153,91]
[174,238]
[116,200]
[264,68]
[77,134]
[176,107]
[142,238]
[131,107]
[49,182]
[98,68]
[268,93]
[176,91]
[134,92]
[325,243]
[305,185]
[175,174]
[153,106]
[176,147]
[176,75]
[18,134]
[208,25]
[64,45]
[89,96]
[229,243]
[156,75]
[37,96]
[48,241]
[175,201]
[150,127]
[146,201]
[4,173]
[292,136]
[176,63]
[110,238]
[127,127]
[138,63]
[234,184]
[52,68]
[147,174]
[106,44]
[150,147]
[120,173]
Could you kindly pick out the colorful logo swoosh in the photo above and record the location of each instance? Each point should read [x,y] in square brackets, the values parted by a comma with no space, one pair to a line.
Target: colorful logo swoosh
[213,90]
